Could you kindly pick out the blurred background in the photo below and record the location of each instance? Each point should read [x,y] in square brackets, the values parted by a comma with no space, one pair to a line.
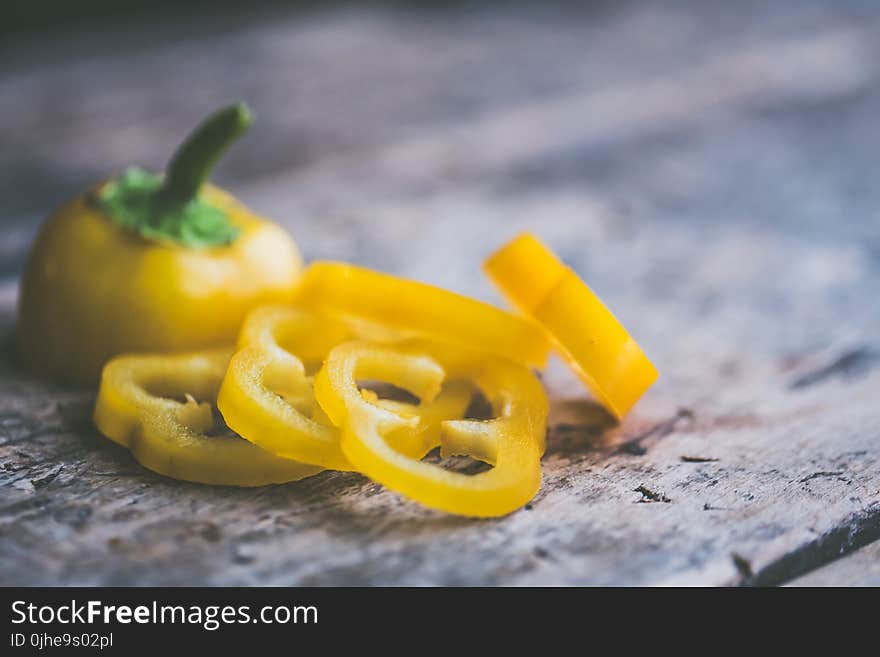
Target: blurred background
[706,160]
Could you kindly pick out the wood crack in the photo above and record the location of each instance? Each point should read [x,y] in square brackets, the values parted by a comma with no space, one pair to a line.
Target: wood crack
[818,475]
[850,364]
[857,531]
[636,446]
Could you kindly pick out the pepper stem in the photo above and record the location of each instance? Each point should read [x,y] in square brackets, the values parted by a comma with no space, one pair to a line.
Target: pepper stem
[196,157]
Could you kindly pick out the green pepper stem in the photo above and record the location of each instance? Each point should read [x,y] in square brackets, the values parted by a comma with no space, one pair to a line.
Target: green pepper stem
[196,157]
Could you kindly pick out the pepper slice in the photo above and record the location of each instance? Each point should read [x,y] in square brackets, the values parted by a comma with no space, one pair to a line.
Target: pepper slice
[419,310]
[138,407]
[589,338]
[267,395]
[512,442]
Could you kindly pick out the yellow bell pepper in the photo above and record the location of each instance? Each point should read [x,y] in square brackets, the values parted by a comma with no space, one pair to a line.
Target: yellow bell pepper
[148,404]
[146,264]
[267,395]
[587,335]
[512,442]
[384,304]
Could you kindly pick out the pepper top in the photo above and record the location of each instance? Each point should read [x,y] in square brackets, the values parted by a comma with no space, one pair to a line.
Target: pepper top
[169,208]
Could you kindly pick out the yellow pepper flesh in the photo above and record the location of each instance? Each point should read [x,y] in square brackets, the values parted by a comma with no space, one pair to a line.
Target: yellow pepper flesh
[92,289]
[267,395]
[589,338]
[416,309]
[151,263]
[513,442]
[139,406]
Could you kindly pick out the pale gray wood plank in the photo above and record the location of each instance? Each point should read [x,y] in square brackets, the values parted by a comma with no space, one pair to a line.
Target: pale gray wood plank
[861,568]
[733,230]
[795,464]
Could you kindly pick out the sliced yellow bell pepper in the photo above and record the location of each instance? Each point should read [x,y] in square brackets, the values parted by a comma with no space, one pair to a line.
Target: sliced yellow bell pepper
[587,335]
[267,395]
[148,404]
[513,442]
[416,309]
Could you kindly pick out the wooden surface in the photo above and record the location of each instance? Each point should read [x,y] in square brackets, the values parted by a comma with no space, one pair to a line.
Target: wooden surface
[861,568]
[710,169]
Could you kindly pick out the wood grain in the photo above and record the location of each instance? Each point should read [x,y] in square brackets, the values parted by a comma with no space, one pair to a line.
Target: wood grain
[861,568]
[710,170]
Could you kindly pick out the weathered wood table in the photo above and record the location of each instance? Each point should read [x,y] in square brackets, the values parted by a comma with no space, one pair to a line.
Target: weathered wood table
[711,169]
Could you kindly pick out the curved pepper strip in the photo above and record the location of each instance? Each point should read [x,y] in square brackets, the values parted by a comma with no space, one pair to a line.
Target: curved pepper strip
[267,395]
[589,338]
[138,408]
[416,309]
[512,442]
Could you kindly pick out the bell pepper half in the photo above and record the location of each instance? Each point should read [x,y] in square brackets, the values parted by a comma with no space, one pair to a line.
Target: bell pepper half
[151,263]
